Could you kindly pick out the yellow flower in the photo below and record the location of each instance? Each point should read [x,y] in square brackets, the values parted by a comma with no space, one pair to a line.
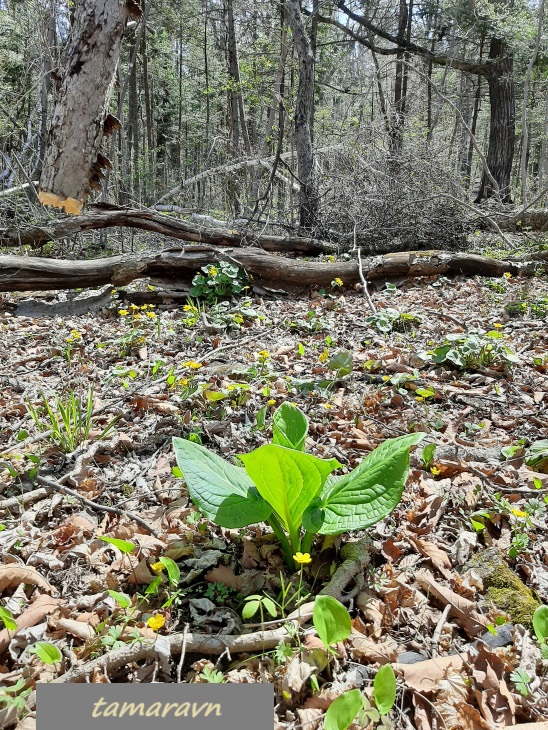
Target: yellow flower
[137,316]
[338,282]
[328,405]
[331,258]
[518,512]
[212,271]
[158,567]
[271,402]
[76,334]
[133,306]
[435,471]
[192,364]
[498,325]
[156,622]
[302,558]
[184,381]
[507,275]
[145,306]
[189,308]
[151,315]
[264,355]
[324,356]
[123,312]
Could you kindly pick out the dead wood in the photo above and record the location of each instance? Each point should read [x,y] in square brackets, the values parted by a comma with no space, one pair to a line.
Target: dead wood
[21,273]
[113,216]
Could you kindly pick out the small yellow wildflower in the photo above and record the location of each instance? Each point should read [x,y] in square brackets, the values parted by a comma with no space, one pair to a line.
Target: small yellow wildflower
[158,567]
[337,281]
[331,258]
[498,325]
[264,355]
[133,306]
[271,402]
[212,271]
[190,308]
[137,316]
[435,471]
[123,312]
[507,275]
[145,306]
[518,512]
[302,558]
[328,405]
[324,356]
[156,622]
[192,364]
[151,315]
[183,381]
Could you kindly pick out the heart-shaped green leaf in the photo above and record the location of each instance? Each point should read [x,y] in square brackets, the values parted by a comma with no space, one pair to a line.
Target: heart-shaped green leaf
[288,480]
[370,492]
[289,427]
[331,620]
[223,492]
[343,710]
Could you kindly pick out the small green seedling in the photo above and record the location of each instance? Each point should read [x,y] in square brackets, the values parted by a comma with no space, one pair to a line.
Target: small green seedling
[331,621]
[7,619]
[124,546]
[47,652]
[384,689]
[258,603]
[428,454]
[342,711]
[521,680]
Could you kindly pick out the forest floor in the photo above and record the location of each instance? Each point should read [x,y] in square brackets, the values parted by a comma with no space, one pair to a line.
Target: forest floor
[455,571]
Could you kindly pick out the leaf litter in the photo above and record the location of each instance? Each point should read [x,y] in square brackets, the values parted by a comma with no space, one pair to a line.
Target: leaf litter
[425,603]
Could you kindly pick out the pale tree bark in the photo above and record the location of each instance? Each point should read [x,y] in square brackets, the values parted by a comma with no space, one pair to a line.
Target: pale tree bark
[304,112]
[72,162]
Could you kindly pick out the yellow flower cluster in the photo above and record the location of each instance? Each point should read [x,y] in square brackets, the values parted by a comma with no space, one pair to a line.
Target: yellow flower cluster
[264,355]
[192,364]
[74,336]
[212,271]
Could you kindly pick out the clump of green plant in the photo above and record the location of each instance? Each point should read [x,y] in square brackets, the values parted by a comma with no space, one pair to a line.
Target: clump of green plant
[536,308]
[540,626]
[388,320]
[311,322]
[295,492]
[69,419]
[218,281]
[475,350]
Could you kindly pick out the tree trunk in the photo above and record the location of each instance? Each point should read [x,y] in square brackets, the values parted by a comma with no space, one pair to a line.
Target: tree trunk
[308,199]
[72,163]
[502,130]
[24,273]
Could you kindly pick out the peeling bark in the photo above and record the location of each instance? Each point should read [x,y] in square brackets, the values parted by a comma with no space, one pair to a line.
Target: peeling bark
[72,163]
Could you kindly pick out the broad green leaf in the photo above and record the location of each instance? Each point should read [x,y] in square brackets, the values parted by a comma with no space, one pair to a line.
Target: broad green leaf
[7,619]
[48,653]
[122,599]
[331,620]
[123,545]
[223,492]
[384,689]
[270,606]
[250,609]
[343,710]
[370,492]
[341,363]
[288,480]
[289,427]
[536,456]
[540,623]
[173,570]
[428,454]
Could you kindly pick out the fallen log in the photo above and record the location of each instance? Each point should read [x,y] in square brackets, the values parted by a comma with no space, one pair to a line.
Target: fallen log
[113,216]
[22,273]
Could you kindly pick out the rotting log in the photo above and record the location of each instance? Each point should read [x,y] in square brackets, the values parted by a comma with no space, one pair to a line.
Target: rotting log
[112,216]
[72,163]
[22,273]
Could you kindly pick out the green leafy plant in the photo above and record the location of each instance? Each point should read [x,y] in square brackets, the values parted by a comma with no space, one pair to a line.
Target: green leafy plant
[292,490]
[331,621]
[536,456]
[342,711]
[218,281]
[384,689]
[469,352]
[47,652]
[211,676]
[258,603]
[540,626]
[388,320]
[69,419]
[15,697]
[521,680]
[7,619]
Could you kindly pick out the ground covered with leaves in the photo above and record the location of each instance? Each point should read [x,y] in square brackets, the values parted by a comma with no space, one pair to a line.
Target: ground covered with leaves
[102,552]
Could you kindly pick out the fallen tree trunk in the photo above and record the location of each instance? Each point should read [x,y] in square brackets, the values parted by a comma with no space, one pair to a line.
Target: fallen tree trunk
[21,273]
[37,236]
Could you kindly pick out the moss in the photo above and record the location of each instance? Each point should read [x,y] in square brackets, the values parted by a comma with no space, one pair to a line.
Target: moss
[504,589]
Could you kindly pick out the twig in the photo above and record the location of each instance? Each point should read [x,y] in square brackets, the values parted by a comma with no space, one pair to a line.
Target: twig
[52,484]
[439,628]
[183,653]
[364,282]
[447,316]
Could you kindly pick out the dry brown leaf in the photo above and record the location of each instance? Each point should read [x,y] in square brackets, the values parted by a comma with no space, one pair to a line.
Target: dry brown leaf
[76,628]
[296,674]
[34,614]
[462,608]
[363,647]
[225,575]
[424,676]
[428,549]
[14,574]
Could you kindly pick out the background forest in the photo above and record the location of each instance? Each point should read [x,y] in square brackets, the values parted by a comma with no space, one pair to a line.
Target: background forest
[378,118]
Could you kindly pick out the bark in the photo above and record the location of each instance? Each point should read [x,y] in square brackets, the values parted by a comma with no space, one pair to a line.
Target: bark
[165,225]
[23,273]
[72,163]
[502,129]
[304,113]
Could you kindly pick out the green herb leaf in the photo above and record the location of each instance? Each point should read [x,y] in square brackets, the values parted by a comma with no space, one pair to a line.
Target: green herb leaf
[331,620]
[384,689]
[289,427]
[48,653]
[343,710]
[123,545]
